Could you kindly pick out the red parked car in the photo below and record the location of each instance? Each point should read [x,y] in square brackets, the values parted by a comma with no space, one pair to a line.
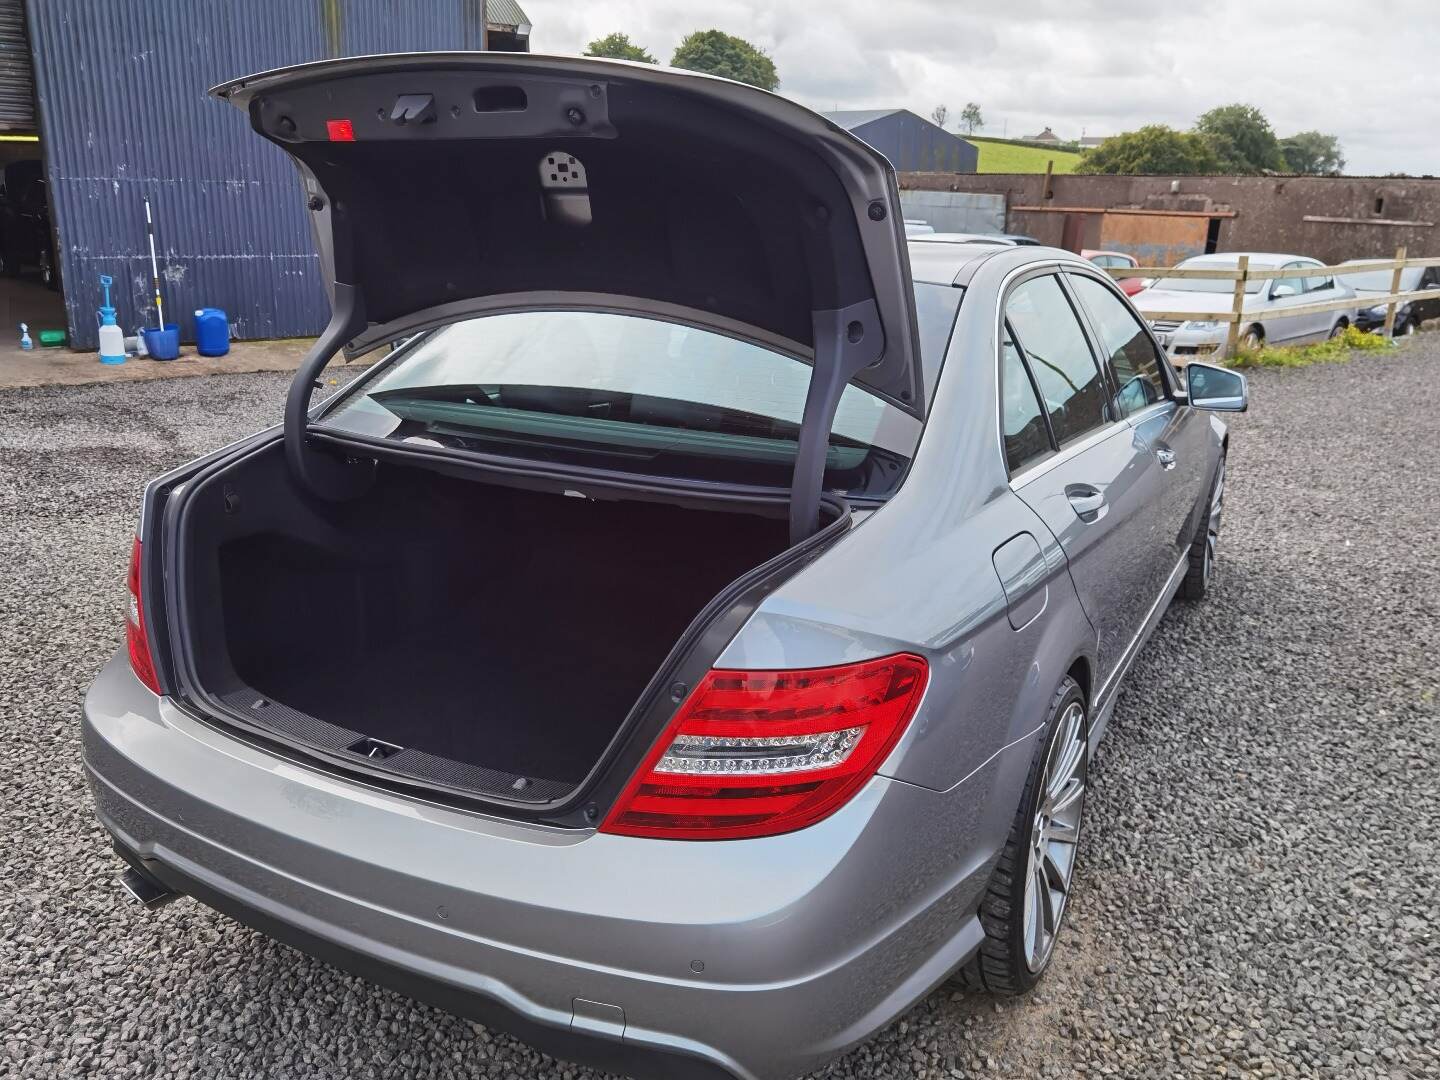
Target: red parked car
[1110,259]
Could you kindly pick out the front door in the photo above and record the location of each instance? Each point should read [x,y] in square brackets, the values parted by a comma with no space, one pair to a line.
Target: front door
[1176,436]
[1096,489]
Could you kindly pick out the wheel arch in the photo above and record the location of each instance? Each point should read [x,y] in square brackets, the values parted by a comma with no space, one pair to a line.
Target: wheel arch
[1080,671]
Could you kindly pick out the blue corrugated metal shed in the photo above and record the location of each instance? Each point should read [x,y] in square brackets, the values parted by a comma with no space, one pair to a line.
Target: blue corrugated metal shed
[124,115]
[912,143]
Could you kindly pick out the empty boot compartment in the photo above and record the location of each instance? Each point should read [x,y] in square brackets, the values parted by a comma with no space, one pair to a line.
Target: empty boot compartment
[487,637]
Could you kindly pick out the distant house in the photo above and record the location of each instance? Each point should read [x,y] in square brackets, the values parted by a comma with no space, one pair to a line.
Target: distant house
[1046,136]
[1089,141]
[912,143]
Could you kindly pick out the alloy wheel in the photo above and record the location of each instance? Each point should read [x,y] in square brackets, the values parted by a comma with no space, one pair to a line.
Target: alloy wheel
[1055,837]
[1212,523]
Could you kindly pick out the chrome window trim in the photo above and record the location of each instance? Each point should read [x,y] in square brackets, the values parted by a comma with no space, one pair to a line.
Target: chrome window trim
[1037,469]
[1154,409]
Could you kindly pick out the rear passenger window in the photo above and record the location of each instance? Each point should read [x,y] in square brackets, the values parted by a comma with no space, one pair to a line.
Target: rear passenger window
[1048,333]
[1132,355]
[1026,438]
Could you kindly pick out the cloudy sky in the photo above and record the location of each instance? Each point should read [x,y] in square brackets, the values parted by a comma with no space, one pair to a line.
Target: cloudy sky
[1101,66]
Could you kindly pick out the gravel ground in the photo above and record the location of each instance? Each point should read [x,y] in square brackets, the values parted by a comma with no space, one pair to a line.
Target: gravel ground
[1258,886]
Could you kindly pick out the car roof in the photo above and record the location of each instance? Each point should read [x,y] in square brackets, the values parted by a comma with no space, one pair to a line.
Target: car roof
[969,238]
[1229,258]
[949,261]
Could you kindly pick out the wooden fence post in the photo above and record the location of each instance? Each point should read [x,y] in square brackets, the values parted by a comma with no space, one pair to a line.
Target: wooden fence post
[1232,336]
[1394,288]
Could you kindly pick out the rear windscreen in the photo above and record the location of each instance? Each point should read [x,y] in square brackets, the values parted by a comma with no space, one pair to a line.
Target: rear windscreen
[633,393]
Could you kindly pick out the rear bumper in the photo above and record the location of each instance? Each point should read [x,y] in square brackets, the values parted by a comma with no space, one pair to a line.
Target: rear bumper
[581,943]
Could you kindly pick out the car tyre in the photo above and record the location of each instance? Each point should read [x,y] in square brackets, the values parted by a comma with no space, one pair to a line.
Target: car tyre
[1339,328]
[1207,539]
[1021,923]
[1252,340]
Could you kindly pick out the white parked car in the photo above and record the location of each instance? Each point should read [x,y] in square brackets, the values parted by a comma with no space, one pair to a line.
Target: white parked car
[1265,304]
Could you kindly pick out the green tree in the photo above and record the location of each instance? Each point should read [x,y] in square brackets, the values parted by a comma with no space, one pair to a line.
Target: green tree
[718,53]
[1152,150]
[940,114]
[1313,152]
[618,46]
[971,118]
[1242,139]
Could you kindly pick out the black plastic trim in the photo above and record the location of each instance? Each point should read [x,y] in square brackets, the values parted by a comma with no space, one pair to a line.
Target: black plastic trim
[611,1055]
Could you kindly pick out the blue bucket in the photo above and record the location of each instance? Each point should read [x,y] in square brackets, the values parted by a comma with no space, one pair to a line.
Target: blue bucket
[162,344]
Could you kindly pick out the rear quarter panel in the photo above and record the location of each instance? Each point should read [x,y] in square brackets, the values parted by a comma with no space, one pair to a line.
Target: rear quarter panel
[916,575]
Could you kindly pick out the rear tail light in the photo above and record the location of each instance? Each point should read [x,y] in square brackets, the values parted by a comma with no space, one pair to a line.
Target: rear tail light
[756,753]
[135,636]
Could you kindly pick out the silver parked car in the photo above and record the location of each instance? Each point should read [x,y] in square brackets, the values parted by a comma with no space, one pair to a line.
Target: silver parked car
[688,648]
[1264,306]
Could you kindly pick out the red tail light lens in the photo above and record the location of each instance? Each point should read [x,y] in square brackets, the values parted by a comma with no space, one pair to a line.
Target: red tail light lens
[756,753]
[135,636]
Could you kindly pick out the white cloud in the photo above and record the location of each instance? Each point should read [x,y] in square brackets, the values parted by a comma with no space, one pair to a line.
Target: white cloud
[1361,71]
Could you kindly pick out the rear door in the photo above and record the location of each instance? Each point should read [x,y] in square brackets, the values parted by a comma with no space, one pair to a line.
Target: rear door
[1095,488]
[1175,435]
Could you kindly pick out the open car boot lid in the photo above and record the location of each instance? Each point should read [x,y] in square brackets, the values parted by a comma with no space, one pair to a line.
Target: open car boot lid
[448,185]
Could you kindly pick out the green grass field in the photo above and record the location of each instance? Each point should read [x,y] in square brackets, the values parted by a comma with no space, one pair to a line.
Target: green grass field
[997,156]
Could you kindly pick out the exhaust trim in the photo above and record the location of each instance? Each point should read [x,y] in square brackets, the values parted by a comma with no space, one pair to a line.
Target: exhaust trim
[148,890]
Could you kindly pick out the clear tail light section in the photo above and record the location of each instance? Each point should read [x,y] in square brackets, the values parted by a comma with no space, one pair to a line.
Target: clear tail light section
[757,753]
[135,637]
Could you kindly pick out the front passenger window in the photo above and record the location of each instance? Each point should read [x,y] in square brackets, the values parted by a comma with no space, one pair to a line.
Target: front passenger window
[1133,357]
[1048,332]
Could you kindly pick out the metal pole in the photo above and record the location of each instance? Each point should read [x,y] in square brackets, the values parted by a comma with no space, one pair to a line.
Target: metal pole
[1237,306]
[154,264]
[1394,288]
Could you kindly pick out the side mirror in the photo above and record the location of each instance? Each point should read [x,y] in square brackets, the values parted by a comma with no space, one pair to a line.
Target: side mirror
[1282,290]
[1216,388]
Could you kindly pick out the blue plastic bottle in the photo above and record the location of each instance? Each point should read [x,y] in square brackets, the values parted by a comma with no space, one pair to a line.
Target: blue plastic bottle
[212,332]
[25,342]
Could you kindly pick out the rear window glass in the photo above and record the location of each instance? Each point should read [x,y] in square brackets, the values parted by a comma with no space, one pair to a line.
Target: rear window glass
[626,392]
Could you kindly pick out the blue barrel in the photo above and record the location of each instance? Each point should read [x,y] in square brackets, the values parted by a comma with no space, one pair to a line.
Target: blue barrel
[212,332]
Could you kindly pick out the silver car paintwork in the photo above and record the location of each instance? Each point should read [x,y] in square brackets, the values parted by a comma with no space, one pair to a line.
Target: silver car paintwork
[809,941]
[1260,309]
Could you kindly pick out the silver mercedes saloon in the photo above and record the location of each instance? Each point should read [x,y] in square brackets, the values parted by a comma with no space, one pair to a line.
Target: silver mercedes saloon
[685,645]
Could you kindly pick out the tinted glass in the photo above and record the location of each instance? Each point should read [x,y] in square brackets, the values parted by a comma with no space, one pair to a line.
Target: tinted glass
[1132,356]
[625,392]
[1026,439]
[1049,333]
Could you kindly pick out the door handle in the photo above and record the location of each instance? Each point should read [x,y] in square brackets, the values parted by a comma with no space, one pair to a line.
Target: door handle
[1166,457]
[1086,501]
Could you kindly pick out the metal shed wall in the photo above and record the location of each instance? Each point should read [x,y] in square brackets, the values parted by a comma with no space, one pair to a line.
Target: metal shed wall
[916,145]
[124,115]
